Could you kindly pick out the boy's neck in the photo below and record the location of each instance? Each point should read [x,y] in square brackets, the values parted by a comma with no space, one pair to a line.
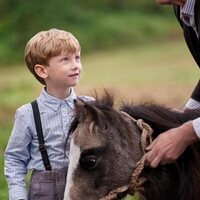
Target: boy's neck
[59,93]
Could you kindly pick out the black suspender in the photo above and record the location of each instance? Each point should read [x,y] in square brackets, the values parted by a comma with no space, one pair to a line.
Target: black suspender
[38,126]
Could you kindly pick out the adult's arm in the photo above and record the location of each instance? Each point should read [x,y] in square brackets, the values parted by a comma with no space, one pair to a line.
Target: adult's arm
[174,2]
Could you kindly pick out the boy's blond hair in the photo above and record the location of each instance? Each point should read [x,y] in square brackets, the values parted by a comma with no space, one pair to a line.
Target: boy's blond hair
[47,44]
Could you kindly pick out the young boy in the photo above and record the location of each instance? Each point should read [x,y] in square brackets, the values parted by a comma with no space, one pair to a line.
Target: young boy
[53,57]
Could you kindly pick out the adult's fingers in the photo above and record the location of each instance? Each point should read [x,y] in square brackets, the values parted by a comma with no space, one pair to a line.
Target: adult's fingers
[175,2]
[153,163]
[148,148]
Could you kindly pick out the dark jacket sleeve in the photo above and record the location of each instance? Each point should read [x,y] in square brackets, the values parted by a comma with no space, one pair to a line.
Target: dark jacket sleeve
[193,44]
[196,92]
[190,36]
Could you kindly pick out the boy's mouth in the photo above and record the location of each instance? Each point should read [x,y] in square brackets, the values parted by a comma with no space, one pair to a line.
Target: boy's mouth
[73,75]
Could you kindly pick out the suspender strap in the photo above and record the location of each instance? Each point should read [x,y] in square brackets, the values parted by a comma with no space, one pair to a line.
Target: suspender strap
[38,126]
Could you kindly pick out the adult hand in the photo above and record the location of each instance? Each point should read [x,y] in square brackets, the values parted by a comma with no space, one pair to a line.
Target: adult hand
[174,2]
[168,146]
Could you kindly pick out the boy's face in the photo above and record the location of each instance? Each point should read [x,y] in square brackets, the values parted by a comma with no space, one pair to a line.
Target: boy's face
[63,71]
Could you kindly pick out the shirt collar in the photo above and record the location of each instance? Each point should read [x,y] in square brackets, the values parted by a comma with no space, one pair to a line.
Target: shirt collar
[187,14]
[54,103]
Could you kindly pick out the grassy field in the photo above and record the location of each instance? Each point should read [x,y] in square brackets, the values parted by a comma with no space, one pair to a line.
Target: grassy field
[163,72]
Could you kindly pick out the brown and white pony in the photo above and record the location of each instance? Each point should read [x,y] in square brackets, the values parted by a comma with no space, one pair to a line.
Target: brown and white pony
[105,149]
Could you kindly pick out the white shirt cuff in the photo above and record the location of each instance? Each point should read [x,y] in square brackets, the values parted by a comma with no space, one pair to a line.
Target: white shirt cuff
[196,126]
[192,104]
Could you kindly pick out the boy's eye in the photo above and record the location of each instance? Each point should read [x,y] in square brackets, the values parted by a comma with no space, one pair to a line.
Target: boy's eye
[77,57]
[65,59]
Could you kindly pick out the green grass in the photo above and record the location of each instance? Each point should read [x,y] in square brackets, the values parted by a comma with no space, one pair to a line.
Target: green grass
[158,68]
[158,63]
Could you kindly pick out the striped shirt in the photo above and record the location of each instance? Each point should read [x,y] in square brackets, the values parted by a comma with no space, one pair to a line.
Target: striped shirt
[22,152]
[187,14]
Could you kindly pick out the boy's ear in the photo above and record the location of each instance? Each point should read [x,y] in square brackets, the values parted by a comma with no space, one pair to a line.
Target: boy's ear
[41,71]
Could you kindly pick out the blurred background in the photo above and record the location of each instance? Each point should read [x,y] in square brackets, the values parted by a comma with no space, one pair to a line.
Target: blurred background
[133,48]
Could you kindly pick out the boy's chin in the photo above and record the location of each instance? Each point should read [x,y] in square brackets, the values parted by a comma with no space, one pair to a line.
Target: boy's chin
[74,85]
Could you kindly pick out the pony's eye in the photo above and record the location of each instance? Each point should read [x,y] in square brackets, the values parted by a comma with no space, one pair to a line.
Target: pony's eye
[88,162]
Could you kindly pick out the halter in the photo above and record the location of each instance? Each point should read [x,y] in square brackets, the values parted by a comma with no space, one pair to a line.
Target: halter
[136,182]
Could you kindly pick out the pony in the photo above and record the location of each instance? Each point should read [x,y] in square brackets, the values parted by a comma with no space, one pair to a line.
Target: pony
[106,153]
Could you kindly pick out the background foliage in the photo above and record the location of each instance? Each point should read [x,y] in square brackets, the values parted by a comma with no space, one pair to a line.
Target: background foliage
[99,25]
[134,47]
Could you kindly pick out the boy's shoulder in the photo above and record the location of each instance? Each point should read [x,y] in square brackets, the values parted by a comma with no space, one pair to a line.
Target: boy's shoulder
[24,114]
[25,107]
[86,98]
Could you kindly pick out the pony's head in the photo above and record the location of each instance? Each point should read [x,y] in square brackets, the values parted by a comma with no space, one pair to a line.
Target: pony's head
[104,150]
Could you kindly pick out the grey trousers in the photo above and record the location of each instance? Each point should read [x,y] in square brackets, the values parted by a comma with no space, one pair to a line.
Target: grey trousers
[47,185]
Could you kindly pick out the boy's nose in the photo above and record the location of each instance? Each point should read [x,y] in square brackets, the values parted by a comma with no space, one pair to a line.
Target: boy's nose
[76,65]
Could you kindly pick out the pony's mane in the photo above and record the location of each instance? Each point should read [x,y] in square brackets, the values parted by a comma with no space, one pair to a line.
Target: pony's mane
[160,118]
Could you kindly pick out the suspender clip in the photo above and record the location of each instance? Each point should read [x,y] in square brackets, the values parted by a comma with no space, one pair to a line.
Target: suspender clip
[42,147]
[48,167]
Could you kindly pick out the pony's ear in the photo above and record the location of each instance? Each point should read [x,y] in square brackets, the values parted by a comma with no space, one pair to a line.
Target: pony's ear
[108,98]
[87,111]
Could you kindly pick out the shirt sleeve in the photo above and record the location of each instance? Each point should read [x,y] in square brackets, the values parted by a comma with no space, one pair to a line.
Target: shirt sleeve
[192,104]
[196,126]
[17,157]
